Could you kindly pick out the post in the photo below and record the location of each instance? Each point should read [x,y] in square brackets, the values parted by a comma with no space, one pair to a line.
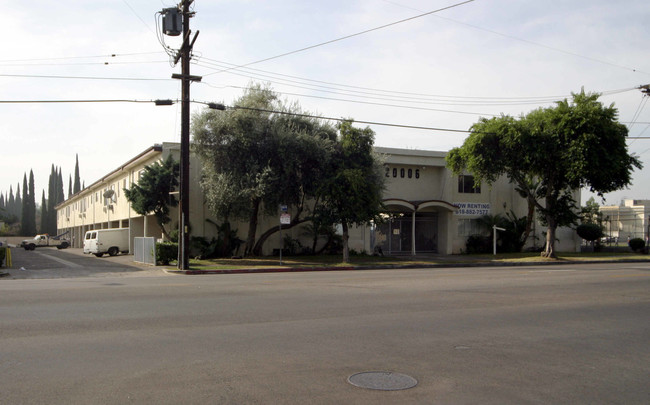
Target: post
[494,238]
[184,197]
[281,243]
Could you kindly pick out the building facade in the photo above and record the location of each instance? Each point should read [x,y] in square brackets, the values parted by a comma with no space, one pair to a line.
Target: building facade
[429,210]
[630,219]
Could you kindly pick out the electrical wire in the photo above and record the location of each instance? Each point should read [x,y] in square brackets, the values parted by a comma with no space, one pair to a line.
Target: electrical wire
[344,119]
[347,36]
[391,95]
[386,97]
[112,55]
[83,77]
[370,103]
[236,107]
[82,63]
[73,101]
[530,42]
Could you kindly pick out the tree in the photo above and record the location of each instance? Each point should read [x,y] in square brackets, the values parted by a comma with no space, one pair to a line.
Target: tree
[24,225]
[44,214]
[564,148]
[18,204]
[152,192]
[28,217]
[590,213]
[70,187]
[259,155]
[351,194]
[77,179]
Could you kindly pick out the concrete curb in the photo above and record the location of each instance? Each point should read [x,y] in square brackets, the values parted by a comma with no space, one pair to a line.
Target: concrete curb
[253,270]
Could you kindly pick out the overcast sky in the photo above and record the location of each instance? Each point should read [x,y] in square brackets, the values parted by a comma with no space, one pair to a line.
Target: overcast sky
[443,70]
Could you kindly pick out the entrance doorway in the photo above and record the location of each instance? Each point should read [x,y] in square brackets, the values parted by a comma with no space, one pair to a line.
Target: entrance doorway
[395,236]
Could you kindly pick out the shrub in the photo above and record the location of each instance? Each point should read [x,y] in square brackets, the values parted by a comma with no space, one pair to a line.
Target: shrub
[3,253]
[590,232]
[166,252]
[478,244]
[637,244]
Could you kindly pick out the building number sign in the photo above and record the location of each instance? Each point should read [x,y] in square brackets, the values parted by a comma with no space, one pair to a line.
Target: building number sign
[402,172]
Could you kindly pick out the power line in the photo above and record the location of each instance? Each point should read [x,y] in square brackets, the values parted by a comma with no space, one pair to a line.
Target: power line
[344,119]
[111,55]
[83,77]
[347,36]
[531,42]
[388,97]
[372,103]
[73,101]
[167,102]
[81,63]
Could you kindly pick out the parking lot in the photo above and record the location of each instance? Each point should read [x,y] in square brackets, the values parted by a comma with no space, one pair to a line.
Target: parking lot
[49,262]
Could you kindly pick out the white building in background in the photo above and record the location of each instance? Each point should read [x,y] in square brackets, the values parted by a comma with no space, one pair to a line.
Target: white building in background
[630,219]
[431,210]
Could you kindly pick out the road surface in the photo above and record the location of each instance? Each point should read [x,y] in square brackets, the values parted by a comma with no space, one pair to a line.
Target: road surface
[519,335]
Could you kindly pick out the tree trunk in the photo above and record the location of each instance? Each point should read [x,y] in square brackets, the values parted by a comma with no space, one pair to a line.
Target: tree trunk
[346,249]
[252,226]
[257,250]
[529,219]
[549,250]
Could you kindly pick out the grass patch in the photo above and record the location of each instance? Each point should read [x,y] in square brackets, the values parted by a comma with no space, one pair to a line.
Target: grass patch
[335,260]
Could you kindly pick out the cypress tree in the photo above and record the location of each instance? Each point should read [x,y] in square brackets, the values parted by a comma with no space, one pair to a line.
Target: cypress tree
[51,202]
[18,204]
[24,225]
[70,187]
[59,189]
[31,206]
[44,214]
[77,179]
[11,203]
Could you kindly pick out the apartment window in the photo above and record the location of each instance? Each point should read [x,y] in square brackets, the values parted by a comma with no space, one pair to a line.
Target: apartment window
[468,227]
[466,185]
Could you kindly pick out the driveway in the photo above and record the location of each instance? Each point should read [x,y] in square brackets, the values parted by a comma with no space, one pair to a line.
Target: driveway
[54,263]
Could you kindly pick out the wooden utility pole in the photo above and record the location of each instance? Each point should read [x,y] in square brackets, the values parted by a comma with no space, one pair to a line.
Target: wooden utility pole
[184,55]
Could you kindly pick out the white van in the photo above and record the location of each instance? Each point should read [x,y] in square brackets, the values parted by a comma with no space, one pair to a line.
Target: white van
[111,241]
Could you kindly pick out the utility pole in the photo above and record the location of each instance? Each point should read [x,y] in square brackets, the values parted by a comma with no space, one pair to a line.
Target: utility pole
[170,23]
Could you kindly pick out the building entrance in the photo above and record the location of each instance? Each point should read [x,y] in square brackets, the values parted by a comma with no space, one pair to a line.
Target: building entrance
[396,235]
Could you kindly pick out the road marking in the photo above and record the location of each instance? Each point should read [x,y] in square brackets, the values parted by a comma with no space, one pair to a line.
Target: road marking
[56,259]
[549,271]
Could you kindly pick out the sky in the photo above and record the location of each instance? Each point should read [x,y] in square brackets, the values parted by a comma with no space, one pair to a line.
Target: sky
[443,70]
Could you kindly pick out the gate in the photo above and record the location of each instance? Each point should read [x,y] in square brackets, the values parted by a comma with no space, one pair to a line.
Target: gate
[144,250]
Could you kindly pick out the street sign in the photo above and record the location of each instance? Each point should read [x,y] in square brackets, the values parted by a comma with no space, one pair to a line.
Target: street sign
[284,208]
[285,219]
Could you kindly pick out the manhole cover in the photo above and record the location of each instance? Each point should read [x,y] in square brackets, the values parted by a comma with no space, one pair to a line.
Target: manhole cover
[382,380]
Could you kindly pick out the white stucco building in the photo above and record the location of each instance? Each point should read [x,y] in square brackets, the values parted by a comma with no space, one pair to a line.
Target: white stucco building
[429,209]
[630,219]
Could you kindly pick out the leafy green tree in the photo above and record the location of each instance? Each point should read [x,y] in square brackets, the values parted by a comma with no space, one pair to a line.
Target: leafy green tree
[567,147]
[259,155]
[352,193]
[152,192]
[590,213]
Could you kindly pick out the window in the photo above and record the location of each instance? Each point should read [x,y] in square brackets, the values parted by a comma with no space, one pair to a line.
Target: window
[467,227]
[466,185]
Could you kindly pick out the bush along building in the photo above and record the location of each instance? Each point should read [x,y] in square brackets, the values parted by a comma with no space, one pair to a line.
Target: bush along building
[428,210]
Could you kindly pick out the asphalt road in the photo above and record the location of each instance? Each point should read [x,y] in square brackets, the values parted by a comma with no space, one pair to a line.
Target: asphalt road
[526,335]
[50,262]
